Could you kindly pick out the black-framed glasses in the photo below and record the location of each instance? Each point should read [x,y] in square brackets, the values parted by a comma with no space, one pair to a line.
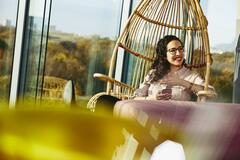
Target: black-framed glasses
[173,51]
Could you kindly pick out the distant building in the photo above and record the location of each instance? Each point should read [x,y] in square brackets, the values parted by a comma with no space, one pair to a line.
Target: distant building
[238,19]
[52,28]
[7,23]
[238,25]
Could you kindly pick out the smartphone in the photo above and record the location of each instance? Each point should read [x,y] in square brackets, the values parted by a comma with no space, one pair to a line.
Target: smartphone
[167,90]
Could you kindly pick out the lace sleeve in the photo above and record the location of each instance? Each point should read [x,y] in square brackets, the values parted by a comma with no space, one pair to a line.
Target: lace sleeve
[197,79]
[142,91]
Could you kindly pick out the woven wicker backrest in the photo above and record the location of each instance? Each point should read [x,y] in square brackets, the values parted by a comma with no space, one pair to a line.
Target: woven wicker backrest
[152,20]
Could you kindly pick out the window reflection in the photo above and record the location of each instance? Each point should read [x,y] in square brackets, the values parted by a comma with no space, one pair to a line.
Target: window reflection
[35,36]
[7,34]
[80,43]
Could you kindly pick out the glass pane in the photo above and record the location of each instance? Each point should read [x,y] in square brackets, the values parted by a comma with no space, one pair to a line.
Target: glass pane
[34,48]
[134,4]
[8,15]
[81,39]
[223,35]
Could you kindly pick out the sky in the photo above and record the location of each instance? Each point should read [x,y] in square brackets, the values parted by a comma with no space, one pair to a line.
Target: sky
[102,16]
[221,15]
[87,17]
[8,10]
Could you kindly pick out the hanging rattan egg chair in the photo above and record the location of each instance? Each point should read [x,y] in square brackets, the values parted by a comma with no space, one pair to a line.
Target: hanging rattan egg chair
[150,21]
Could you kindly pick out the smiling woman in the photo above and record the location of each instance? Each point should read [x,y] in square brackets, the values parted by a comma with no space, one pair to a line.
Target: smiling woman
[169,78]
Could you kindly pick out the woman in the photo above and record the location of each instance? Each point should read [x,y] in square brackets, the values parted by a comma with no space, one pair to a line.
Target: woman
[168,78]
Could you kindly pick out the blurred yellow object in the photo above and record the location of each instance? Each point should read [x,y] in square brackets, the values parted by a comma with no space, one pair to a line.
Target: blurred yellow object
[41,132]
[58,134]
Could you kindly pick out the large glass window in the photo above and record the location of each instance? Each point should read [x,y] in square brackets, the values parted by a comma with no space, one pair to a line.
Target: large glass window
[34,48]
[129,59]
[222,29]
[7,34]
[81,39]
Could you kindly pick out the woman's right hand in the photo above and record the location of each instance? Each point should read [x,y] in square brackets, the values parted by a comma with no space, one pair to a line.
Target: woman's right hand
[163,96]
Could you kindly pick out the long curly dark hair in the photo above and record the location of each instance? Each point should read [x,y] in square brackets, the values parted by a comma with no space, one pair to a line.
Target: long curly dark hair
[161,64]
